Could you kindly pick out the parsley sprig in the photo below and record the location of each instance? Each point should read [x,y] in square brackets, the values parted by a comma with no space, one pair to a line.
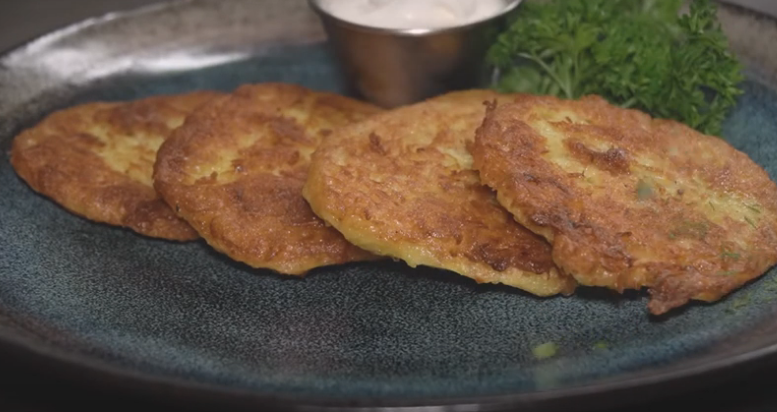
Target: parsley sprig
[641,54]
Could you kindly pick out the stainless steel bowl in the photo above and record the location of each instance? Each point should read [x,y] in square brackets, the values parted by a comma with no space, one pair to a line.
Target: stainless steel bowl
[395,67]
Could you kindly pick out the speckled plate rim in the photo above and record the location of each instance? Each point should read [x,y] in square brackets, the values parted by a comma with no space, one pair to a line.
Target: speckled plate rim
[611,392]
[95,20]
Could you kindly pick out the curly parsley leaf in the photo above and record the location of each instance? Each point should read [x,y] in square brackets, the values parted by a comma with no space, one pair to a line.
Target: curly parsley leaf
[640,54]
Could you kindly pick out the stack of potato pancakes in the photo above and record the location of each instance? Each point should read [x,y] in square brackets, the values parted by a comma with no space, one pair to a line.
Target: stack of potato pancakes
[534,192]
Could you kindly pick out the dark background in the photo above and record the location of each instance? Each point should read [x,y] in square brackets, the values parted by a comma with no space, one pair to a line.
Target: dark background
[35,386]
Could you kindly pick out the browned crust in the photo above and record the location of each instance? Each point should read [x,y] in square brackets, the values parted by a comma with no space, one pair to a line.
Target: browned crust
[630,201]
[401,185]
[96,161]
[235,172]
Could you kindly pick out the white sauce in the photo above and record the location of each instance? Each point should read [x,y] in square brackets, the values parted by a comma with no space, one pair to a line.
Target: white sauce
[413,14]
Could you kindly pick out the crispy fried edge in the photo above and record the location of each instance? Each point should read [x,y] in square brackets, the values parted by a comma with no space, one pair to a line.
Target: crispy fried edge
[324,201]
[668,292]
[144,217]
[169,175]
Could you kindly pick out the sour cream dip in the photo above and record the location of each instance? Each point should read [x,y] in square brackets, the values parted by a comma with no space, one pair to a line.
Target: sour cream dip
[413,14]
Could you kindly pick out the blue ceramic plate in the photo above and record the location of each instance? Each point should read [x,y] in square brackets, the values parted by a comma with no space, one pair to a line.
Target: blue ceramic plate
[184,316]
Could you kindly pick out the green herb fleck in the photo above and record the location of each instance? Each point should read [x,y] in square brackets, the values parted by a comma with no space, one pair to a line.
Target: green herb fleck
[726,254]
[741,303]
[640,54]
[695,230]
[771,286]
[738,303]
[545,351]
[753,208]
[727,273]
[644,191]
[711,205]
[600,345]
[748,220]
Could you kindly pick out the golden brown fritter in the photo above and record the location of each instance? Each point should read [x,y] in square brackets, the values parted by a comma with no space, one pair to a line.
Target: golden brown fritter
[401,185]
[629,201]
[96,161]
[235,172]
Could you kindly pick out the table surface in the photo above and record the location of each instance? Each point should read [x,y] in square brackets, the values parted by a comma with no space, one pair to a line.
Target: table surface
[22,20]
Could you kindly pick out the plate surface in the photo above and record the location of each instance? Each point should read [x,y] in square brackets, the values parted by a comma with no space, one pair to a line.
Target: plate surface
[361,334]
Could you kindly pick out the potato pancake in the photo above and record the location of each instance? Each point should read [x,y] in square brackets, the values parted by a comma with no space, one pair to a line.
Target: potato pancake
[401,185]
[236,168]
[96,160]
[629,201]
